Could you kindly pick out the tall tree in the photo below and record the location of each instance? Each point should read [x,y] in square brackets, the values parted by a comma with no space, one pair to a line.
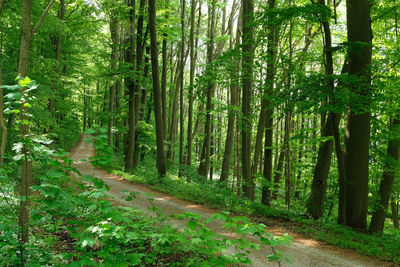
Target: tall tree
[156,90]
[182,72]
[234,87]
[3,128]
[205,152]
[130,58]
[191,84]
[247,84]
[269,84]
[114,59]
[58,57]
[321,171]
[359,35]
[23,63]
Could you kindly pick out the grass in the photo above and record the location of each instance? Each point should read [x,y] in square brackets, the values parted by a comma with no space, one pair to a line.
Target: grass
[216,195]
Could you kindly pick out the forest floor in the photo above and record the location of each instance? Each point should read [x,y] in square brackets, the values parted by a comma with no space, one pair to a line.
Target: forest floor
[303,251]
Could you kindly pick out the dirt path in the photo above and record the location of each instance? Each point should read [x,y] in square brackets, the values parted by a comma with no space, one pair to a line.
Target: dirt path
[305,252]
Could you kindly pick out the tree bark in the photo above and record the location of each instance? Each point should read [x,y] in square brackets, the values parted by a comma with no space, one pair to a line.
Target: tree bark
[234,86]
[181,107]
[114,59]
[3,128]
[26,179]
[191,84]
[359,117]
[140,44]
[205,153]
[341,169]
[318,188]
[130,54]
[395,213]
[269,83]
[247,84]
[164,77]
[388,177]
[58,58]
[156,90]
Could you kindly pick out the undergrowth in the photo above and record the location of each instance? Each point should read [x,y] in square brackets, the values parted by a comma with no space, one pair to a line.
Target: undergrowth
[216,195]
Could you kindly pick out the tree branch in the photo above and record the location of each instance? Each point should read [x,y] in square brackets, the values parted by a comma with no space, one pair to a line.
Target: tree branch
[42,17]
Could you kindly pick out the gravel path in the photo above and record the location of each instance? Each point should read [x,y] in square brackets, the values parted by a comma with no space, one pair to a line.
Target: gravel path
[304,252]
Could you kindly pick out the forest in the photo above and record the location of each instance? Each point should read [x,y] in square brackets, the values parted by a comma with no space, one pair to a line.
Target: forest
[199,133]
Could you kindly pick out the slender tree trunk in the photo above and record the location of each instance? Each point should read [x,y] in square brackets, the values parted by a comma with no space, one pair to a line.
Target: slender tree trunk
[191,84]
[288,184]
[388,177]
[156,89]
[247,83]
[118,88]
[164,77]
[340,165]
[359,117]
[278,173]
[140,45]
[234,86]
[269,83]
[395,213]
[318,188]
[114,59]
[182,72]
[205,153]
[131,89]
[3,128]
[300,159]
[58,58]
[26,179]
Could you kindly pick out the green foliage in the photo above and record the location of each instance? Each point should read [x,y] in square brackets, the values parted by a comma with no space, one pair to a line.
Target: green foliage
[73,224]
[104,156]
[216,195]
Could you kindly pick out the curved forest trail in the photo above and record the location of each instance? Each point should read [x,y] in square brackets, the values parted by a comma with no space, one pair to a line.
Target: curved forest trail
[304,251]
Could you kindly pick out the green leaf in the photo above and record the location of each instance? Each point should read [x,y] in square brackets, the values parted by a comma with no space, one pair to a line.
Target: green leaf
[24,82]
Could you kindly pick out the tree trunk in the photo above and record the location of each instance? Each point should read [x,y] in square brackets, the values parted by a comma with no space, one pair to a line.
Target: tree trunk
[131,89]
[191,84]
[247,83]
[58,58]
[359,117]
[205,153]
[341,169]
[395,213]
[26,178]
[118,88]
[164,77]
[156,89]
[114,59]
[3,128]
[278,173]
[388,177]
[288,184]
[230,134]
[271,53]
[318,188]
[181,107]
[140,44]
